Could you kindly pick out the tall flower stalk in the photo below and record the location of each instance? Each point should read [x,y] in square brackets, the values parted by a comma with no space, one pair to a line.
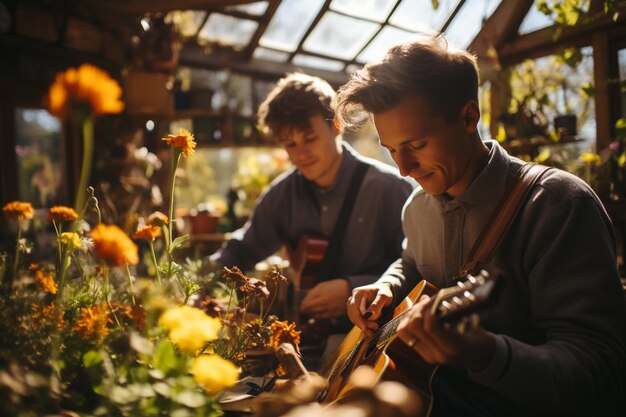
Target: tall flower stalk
[20,211]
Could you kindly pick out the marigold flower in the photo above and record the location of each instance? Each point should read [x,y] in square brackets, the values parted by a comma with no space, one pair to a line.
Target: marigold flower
[147,233]
[88,85]
[46,281]
[113,246]
[590,158]
[93,322]
[184,140]
[18,210]
[62,213]
[189,328]
[157,219]
[71,240]
[48,314]
[214,373]
[284,332]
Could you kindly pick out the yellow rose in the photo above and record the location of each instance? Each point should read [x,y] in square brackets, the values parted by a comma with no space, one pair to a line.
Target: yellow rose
[190,328]
[214,373]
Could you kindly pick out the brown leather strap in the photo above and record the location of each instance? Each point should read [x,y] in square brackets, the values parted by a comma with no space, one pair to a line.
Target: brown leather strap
[496,228]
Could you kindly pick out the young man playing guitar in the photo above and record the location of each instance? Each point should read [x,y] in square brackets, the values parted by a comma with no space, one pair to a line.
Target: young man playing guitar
[553,342]
[307,199]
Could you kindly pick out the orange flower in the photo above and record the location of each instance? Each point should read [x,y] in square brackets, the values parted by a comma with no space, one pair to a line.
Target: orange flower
[48,314]
[93,322]
[183,140]
[147,233]
[62,213]
[284,332]
[18,210]
[157,219]
[46,281]
[113,246]
[86,85]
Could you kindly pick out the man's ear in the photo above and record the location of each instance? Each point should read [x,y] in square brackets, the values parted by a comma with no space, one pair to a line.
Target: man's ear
[471,116]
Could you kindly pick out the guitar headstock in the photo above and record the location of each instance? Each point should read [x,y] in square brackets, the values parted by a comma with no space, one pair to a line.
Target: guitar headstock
[457,305]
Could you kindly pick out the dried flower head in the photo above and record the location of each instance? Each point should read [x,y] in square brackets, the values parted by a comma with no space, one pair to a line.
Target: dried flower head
[234,276]
[147,233]
[214,373]
[184,140]
[62,213]
[19,210]
[113,246]
[275,276]
[157,219]
[212,307]
[284,332]
[255,288]
[87,86]
[93,322]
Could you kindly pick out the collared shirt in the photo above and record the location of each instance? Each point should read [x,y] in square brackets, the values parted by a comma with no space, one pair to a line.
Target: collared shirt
[558,316]
[293,206]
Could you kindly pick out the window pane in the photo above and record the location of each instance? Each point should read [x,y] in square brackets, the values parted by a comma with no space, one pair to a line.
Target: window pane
[621,60]
[315,62]
[534,20]
[419,15]
[339,36]
[369,9]
[270,55]
[255,9]
[387,37]
[290,22]
[187,22]
[38,151]
[469,21]
[228,30]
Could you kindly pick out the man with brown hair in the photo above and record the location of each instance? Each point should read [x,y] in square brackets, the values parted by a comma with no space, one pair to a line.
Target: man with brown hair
[552,342]
[307,199]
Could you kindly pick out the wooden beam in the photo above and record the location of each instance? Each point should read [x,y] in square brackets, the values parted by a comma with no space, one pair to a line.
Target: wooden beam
[140,7]
[602,97]
[254,42]
[314,23]
[218,58]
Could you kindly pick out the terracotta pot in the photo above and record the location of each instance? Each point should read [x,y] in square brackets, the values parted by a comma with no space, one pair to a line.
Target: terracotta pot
[203,223]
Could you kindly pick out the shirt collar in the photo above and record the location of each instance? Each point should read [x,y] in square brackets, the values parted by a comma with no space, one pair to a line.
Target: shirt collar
[489,185]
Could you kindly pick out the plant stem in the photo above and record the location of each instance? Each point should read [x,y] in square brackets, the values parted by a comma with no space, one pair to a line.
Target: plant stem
[9,282]
[154,260]
[85,169]
[130,283]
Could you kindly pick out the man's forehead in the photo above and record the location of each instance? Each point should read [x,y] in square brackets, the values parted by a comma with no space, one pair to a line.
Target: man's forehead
[286,133]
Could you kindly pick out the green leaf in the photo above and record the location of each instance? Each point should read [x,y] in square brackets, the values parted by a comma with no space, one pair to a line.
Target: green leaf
[121,395]
[178,242]
[92,359]
[165,357]
[162,388]
[140,344]
[189,398]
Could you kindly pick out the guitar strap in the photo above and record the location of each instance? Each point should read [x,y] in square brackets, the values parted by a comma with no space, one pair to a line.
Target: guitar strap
[498,225]
[335,240]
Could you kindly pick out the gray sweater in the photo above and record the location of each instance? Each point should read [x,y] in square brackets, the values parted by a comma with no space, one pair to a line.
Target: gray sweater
[559,315]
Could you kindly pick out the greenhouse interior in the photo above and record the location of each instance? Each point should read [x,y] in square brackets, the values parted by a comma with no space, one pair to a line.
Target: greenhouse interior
[312,208]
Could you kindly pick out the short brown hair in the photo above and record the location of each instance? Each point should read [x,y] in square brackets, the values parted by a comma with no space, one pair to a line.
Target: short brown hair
[446,78]
[295,99]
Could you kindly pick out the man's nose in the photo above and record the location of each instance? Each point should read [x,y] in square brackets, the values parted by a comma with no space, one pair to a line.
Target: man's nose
[405,162]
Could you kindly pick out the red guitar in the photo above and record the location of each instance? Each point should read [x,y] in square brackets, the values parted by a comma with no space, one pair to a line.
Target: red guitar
[305,261]
[389,356]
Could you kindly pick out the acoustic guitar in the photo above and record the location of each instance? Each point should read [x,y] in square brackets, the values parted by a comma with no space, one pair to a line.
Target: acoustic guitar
[305,261]
[389,356]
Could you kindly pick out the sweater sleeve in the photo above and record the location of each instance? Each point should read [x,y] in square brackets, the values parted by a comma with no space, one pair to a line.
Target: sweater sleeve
[578,303]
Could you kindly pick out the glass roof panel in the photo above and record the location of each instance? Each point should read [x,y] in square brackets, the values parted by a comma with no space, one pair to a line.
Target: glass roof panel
[419,15]
[228,30]
[270,55]
[468,22]
[290,23]
[368,9]
[187,21]
[339,36]
[315,62]
[255,9]
[387,37]
[534,20]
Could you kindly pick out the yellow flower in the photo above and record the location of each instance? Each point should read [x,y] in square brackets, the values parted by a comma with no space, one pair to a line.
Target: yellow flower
[113,246]
[72,240]
[93,322]
[46,281]
[147,233]
[190,328]
[590,158]
[183,140]
[284,332]
[86,85]
[214,373]
[18,210]
[60,213]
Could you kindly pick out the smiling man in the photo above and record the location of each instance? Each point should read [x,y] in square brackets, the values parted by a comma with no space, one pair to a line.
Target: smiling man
[307,199]
[552,343]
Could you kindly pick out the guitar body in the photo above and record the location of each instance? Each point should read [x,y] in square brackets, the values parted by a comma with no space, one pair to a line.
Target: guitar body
[390,358]
[305,261]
